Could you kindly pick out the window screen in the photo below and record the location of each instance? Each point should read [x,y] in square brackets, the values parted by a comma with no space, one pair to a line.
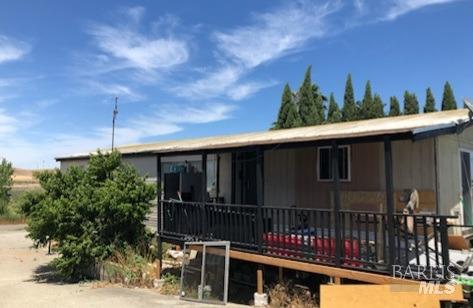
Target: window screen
[204,275]
[325,163]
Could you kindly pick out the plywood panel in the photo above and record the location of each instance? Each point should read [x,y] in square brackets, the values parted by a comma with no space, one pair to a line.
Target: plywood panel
[395,296]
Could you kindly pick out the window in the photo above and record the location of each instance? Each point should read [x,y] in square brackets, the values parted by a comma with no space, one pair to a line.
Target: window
[324,163]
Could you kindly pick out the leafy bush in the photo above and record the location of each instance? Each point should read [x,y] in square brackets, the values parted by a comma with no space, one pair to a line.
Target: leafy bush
[90,212]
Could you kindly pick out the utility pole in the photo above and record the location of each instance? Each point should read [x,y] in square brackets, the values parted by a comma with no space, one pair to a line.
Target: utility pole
[115,112]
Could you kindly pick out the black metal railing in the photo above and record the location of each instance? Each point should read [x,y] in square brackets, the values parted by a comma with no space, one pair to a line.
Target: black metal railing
[307,234]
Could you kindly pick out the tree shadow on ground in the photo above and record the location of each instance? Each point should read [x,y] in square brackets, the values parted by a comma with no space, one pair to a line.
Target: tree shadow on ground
[48,273]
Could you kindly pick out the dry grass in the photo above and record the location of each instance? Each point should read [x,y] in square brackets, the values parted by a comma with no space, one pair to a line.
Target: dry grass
[25,179]
[12,220]
[171,284]
[285,295]
[130,269]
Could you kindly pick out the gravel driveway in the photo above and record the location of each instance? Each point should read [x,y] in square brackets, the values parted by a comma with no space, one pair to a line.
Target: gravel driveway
[22,282]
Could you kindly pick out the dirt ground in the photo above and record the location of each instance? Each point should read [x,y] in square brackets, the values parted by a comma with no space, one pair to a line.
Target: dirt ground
[25,281]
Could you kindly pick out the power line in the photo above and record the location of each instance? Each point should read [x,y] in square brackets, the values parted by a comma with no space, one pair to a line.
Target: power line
[115,112]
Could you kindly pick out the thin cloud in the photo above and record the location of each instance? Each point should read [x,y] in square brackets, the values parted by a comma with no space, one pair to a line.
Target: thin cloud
[270,36]
[115,89]
[136,50]
[401,7]
[8,123]
[11,50]
[195,114]
[277,33]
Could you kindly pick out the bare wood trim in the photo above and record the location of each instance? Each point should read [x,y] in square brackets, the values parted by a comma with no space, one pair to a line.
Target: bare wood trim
[259,280]
[319,269]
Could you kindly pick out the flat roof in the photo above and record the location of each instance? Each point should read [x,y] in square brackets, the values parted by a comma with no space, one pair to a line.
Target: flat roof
[412,124]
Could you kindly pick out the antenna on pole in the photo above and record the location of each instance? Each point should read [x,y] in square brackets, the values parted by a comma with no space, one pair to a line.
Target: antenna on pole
[115,112]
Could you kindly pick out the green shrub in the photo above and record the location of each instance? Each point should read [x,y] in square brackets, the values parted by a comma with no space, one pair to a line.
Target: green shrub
[90,212]
[171,284]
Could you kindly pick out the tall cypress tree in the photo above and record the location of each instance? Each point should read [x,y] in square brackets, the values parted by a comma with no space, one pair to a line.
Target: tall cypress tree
[378,107]
[292,119]
[319,102]
[366,107]
[334,115]
[394,109]
[308,112]
[411,105]
[429,101]
[286,104]
[349,110]
[448,100]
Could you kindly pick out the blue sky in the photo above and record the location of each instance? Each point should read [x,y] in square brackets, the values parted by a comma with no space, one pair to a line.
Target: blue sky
[186,69]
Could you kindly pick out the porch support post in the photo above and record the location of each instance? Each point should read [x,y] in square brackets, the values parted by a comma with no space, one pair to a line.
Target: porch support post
[204,195]
[336,202]
[159,227]
[388,170]
[260,196]
[259,280]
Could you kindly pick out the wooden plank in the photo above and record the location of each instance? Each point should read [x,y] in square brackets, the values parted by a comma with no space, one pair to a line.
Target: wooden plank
[398,296]
[337,280]
[259,280]
[458,242]
[319,269]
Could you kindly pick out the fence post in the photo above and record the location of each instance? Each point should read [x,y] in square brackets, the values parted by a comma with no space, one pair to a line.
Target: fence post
[204,196]
[260,196]
[388,169]
[159,224]
[445,252]
[336,202]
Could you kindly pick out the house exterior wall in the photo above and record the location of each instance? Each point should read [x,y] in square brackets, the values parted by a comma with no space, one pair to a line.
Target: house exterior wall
[66,164]
[279,178]
[413,164]
[291,175]
[448,158]
[146,165]
[365,174]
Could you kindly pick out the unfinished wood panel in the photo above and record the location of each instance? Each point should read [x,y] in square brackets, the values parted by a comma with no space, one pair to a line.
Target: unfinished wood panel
[361,296]
[225,177]
[427,201]
[279,181]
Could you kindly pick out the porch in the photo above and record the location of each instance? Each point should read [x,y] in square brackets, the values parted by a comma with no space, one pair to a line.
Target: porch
[238,204]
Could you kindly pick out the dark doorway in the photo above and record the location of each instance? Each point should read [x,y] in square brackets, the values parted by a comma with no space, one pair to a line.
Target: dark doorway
[244,178]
